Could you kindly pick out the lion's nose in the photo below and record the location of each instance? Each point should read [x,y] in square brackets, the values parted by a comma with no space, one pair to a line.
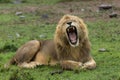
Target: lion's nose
[69,23]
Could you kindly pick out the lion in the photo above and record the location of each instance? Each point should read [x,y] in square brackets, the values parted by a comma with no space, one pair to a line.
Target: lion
[70,48]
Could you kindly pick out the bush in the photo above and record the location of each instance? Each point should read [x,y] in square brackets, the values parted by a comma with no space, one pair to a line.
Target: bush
[8,46]
[21,75]
[67,0]
[5,1]
[8,1]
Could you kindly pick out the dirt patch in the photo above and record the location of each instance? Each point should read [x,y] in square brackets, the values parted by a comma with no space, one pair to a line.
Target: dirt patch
[86,9]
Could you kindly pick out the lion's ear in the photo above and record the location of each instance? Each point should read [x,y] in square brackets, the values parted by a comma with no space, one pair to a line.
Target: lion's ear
[67,16]
[83,25]
[80,21]
[84,28]
[63,19]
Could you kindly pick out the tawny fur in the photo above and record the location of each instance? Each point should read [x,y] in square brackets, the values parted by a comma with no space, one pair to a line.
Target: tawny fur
[59,50]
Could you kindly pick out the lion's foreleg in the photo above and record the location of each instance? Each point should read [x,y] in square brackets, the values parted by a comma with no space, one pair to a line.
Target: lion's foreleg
[91,64]
[70,65]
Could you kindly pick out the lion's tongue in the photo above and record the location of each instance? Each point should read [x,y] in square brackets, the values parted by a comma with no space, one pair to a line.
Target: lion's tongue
[72,37]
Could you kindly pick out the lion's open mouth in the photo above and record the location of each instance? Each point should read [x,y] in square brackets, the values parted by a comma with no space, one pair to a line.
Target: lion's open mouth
[72,34]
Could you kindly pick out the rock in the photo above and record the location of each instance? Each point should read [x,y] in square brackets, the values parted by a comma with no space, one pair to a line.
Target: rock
[71,10]
[9,36]
[18,35]
[45,16]
[97,11]
[113,15]
[17,1]
[105,7]
[103,50]
[22,18]
[47,23]
[42,36]
[18,13]
[82,10]
[56,72]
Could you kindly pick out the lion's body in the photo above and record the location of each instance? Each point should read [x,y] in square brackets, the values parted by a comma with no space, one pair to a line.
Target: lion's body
[70,47]
[35,53]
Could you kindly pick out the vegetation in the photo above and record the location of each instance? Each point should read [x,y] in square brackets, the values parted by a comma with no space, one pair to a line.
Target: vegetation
[4,1]
[15,31]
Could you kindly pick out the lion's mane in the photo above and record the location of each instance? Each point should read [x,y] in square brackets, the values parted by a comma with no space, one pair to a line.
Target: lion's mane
[64,49]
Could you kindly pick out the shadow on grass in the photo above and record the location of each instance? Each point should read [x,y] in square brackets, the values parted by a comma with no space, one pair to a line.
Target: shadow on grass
[8,48]
[21,75]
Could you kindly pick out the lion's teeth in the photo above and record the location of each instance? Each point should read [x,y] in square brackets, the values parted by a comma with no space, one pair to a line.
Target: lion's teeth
[68,30]
[73,28]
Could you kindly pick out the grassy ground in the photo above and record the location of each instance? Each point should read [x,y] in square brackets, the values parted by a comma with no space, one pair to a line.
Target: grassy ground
[14,31]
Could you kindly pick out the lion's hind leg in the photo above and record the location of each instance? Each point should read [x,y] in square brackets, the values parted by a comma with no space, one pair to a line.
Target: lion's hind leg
[32,64]
[26,52]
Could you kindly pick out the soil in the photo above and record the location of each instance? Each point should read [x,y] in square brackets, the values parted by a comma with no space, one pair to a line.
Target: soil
[88,10]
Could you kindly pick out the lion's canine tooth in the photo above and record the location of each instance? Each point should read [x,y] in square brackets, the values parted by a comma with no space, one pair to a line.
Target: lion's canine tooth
[73,28]
[68,30]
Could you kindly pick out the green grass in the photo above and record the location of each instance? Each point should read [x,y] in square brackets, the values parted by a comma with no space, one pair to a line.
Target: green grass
[102,34]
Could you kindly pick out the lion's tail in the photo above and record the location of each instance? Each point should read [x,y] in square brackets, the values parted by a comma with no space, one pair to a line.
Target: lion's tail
[12,61]
[7,65]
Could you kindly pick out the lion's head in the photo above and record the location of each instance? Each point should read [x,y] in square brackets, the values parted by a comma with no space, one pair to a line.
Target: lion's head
[71,30]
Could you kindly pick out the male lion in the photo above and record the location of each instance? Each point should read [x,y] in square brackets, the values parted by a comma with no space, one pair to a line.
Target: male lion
[70,48]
